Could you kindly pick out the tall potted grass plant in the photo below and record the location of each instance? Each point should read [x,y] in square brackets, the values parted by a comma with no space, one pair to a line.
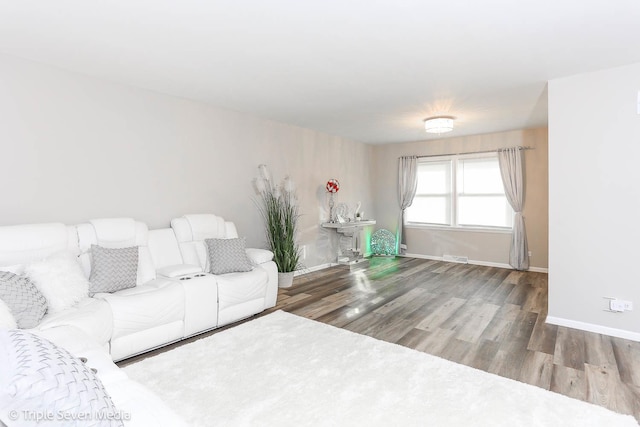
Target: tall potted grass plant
[279,210]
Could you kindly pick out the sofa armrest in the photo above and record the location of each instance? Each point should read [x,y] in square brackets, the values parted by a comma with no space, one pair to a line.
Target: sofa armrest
[177,270]
[259,256]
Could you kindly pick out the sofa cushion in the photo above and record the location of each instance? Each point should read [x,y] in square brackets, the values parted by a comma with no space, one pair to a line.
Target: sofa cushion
[227,256]
[237,288]
[60,279]
[72,339]
[113,269]
[192,230]
[39,377]
[198,227]
[7,321]
[26,302]
[155,303]
[91,315]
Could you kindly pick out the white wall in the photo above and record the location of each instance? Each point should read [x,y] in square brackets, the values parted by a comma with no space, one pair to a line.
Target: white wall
[594,206]
[489,248]
[75,148]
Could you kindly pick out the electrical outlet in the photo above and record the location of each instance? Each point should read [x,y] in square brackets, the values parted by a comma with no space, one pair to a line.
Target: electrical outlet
[303,252]
[616,305]
[530,253]
[619,305]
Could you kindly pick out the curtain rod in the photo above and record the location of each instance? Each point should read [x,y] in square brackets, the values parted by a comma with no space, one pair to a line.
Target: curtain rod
[474,152]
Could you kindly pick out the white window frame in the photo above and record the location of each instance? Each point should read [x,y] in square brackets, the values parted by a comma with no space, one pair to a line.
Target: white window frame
[454,194]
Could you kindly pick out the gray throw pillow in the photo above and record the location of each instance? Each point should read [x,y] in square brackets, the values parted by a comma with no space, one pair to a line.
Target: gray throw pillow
[227,256]
[40,379]
[26,302]
[113,269]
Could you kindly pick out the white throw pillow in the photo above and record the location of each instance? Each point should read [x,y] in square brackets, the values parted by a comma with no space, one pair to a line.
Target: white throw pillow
[60,279]
[7,321]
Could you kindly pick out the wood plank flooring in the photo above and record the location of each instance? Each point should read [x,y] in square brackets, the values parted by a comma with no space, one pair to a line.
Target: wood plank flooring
[489,318]
[485,317]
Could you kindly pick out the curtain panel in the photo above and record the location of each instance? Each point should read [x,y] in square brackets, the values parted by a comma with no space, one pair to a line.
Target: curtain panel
[407,185]
[510,160]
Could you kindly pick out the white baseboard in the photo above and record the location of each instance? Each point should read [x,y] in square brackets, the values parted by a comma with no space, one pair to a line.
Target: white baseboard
[590,327]
[539,270]
[474,262]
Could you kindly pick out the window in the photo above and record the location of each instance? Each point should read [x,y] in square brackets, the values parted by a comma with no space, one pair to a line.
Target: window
[461,192]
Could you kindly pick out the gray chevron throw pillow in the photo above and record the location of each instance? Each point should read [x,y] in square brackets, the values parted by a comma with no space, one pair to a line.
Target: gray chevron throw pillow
[113,269]
[41,379]
[227,256]
[26,302]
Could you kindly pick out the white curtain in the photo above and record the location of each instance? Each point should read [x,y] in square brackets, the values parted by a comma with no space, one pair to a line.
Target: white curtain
[407,184]
[510,160]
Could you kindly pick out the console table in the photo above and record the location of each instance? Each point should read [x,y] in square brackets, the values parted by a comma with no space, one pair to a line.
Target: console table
[351,229]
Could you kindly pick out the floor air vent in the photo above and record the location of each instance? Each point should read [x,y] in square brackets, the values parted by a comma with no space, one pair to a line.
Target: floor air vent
[456,258]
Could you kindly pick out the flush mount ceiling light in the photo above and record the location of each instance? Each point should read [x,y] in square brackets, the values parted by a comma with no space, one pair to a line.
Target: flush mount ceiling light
[439,124]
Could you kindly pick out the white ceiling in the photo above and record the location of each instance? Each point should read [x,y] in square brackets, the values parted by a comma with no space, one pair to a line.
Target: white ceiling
[368,70]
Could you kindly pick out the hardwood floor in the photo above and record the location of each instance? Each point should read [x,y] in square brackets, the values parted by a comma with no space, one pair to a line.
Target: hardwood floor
[489,318]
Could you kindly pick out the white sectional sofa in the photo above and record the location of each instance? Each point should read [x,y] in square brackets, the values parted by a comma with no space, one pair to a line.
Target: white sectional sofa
[174,295]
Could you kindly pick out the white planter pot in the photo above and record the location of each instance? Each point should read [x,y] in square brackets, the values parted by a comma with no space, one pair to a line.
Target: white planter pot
[285,280]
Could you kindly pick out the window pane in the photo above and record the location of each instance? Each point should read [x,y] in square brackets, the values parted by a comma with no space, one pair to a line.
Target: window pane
[434,178]
[479,176]
[460,191]
[429,209]
[492,211]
